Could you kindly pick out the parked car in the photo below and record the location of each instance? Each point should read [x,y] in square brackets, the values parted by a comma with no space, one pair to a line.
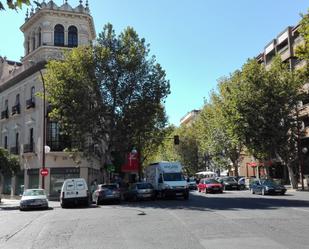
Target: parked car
[33,199]
[139,190]
[229,183]
[242,182]
[192,183]
[106,192]
[267,186]
[74,191]
[209,185]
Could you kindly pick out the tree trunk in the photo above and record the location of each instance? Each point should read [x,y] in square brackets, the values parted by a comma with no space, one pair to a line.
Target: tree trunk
[293,178]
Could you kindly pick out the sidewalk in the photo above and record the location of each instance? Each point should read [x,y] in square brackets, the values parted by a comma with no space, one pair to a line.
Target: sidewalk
[12,203]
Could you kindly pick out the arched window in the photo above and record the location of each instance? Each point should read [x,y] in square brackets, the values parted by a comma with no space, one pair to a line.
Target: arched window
[59,35]
[32,93]
[72,38]
[33,42]
[39,37]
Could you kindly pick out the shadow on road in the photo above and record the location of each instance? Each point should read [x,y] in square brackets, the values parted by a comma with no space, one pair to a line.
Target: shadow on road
[220,202]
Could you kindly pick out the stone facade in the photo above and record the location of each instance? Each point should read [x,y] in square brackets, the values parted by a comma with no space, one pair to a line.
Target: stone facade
[48,32]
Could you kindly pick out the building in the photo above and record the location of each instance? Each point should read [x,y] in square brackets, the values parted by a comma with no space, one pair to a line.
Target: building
[48,32]
[285,45]
[189,117]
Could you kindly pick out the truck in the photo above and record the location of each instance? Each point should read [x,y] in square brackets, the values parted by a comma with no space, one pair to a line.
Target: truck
[167,179]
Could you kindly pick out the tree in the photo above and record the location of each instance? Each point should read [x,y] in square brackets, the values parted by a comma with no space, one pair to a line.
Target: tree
[9,163]
[302,50]
[265,101]
[14,4]
[110,94]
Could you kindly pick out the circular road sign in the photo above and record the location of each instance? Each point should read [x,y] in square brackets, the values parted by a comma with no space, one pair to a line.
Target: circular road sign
[44,172]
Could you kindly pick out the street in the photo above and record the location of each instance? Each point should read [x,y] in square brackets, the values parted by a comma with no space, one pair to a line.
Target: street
[234,219]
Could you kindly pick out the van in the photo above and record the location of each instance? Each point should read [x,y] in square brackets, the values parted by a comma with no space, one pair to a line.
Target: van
[74,192]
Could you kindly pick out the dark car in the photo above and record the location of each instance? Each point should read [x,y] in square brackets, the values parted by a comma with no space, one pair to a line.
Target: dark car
[106,192]
[229,183]
[139,191]
[267,186]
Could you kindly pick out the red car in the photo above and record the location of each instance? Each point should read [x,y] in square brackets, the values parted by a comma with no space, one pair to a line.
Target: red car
[210,186]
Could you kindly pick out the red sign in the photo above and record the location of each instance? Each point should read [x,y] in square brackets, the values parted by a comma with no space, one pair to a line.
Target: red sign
[132,163]
[44,172]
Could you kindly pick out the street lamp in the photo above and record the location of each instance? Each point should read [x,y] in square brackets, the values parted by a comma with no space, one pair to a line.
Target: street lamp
[45,149]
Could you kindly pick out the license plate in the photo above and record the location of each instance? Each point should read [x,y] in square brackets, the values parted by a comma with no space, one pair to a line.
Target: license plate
[147,195]
[234,186]
[215,188]
[278,190]
[179,194]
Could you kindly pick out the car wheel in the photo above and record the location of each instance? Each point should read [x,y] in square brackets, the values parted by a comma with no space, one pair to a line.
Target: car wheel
[282,193]
[263,191]
[134,198]
[252,191]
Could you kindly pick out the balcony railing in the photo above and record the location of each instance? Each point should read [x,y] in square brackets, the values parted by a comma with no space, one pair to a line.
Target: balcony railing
[30,103]
[14,150]
[5,114]
[29,148]
[16,109]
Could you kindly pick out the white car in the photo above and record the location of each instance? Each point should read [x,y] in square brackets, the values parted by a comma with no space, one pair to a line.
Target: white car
[73,192]
[33,199]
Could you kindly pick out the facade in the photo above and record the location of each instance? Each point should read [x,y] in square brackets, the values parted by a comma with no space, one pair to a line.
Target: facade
[189,117]
[48,32]
[285,45]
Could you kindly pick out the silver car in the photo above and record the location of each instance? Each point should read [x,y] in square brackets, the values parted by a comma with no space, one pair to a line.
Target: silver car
[33,199]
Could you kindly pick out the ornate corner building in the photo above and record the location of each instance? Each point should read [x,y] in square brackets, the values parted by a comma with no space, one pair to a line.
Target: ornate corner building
[48,32]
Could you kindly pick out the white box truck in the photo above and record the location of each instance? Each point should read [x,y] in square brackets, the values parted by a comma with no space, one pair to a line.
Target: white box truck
[167,179]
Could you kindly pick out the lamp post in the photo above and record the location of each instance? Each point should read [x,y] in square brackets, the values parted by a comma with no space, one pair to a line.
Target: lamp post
[44,129]
[45,149]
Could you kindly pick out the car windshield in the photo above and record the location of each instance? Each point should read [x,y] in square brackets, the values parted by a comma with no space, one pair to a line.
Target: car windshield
[144,186]
[173,177]
[229,179]
[210,181]
[34,192]
[111,186]
[269,182]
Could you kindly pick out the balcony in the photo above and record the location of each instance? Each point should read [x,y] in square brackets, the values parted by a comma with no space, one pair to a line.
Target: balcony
[16,109]
[5,114]
[29,148]
[285,53]
[30,103]
[14,150]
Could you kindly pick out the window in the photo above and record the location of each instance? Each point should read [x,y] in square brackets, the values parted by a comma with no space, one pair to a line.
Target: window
[28,46]
[17,143]
[31,138]
[39,37]
[33,42]
[6,105]
[59,35]
[72,38]
[17,100]
[6,142]
[32,93]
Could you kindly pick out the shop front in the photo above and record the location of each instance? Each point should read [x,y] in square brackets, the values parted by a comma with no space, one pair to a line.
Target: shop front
[57,177]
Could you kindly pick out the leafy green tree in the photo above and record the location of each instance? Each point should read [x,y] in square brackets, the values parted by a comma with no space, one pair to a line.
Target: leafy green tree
[15,4]
[9,163]
[111,93]
[265,101]
[302,51]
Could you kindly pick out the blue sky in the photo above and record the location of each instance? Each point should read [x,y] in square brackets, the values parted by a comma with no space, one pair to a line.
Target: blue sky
[196,41]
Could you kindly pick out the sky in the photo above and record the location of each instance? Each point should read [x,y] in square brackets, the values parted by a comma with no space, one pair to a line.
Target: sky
[195,41]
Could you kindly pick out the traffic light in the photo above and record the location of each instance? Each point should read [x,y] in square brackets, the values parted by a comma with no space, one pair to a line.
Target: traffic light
[176,139]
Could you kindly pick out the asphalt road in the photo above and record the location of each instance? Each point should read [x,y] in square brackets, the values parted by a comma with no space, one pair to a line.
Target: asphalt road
[235,219]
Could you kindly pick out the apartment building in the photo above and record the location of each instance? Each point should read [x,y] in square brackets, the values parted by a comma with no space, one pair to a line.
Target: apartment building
[285,45]
[48,32]
[189,117]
